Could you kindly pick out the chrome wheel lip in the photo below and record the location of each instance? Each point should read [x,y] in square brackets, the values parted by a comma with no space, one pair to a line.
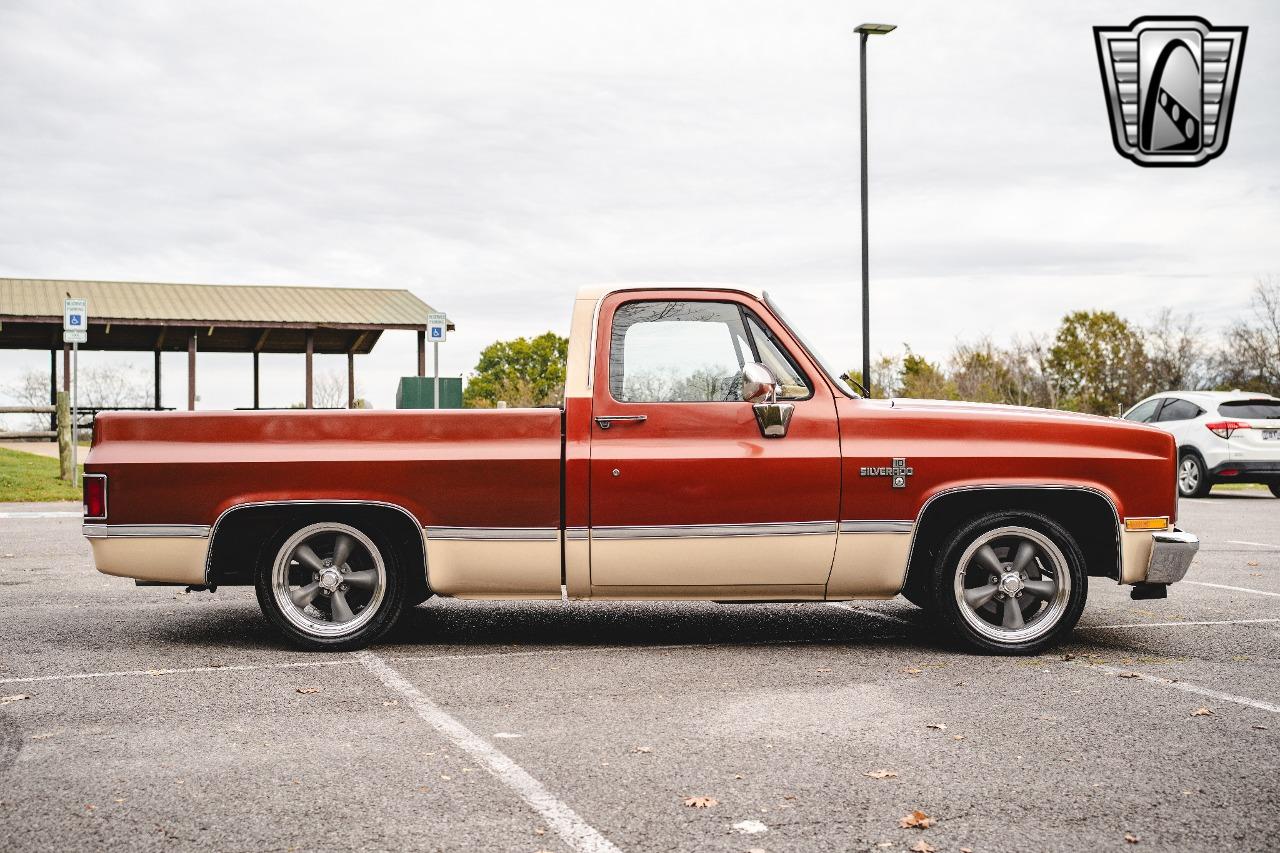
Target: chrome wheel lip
[296,616]
[1188,476]
[1040,624]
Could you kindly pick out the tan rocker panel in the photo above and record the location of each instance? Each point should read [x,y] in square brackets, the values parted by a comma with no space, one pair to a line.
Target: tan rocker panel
[482,562]
[152,558]
[722,561]
[870,562]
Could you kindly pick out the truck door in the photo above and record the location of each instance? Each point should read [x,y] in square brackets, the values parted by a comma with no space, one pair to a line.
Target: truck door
[687,495]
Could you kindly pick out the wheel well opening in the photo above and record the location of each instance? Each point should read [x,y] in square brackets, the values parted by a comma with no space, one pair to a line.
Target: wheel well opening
[243,537]
[1086,515]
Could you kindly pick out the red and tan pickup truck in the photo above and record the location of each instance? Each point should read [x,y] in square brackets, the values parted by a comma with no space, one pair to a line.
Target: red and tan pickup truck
[703,451]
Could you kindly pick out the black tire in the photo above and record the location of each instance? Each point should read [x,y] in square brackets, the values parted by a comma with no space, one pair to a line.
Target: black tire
[1275,489]
[1044,619]
[319,624]
[1193,476]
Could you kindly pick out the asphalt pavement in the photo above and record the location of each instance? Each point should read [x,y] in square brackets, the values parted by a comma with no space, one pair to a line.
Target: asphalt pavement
[148,718]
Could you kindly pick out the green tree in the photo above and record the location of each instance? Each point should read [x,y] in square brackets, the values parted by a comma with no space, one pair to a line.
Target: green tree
[924,380]
[1097,362]
[521,372]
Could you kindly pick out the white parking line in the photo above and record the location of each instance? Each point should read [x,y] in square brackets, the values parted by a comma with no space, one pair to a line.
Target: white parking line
[1184,686]
[1235,588]
[1259,544]
[252,667]
[1176,624]
[41,514]
[242,667]
[576,832]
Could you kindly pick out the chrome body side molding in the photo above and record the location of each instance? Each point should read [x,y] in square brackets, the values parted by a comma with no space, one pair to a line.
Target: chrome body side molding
[877,526]
[145,531]
[688,531]
[493,534]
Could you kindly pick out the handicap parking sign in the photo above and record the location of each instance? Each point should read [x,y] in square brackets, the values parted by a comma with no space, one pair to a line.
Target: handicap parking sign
[437,327]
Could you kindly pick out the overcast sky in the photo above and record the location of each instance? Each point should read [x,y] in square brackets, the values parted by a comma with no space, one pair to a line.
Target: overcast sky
[492,157]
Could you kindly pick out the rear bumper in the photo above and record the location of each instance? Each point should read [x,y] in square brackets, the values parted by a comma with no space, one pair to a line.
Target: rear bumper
[1247,470]
[1171,554]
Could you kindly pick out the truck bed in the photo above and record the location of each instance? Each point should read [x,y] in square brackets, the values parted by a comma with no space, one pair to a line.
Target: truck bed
[486,468]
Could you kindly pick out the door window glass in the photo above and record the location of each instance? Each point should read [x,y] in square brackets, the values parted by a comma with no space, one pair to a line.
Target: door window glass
[693,352]
[1179,410]
[668,352]
[1143,413]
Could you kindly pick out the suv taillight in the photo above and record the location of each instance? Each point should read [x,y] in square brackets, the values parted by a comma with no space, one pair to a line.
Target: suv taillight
[1223,429]
[95,496]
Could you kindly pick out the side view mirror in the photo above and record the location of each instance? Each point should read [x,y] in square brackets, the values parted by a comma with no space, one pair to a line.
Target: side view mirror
[758,383]
[760,388]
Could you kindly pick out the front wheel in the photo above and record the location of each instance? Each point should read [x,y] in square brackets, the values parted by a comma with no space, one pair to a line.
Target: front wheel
[1193,480]
[1010,583]
[331,586]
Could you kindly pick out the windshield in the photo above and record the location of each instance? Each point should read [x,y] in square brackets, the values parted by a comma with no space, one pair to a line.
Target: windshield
[813,353]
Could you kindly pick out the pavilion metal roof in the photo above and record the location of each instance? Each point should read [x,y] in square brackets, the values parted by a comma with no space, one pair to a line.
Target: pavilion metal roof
[343,318]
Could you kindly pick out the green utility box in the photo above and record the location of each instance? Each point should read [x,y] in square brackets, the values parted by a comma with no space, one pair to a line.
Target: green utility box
[418,392]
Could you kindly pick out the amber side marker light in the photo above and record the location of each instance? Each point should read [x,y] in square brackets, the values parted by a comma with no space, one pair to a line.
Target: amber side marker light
[95,496]
[1161,523]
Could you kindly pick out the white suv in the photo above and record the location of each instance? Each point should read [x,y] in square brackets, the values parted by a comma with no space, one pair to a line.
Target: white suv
[1223,436]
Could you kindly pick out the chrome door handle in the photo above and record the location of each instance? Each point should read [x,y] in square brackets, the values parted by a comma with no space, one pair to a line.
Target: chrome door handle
[605,421]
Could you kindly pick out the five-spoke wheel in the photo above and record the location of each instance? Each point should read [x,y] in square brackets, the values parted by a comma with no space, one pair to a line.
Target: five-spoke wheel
[1010,582]
[330,585]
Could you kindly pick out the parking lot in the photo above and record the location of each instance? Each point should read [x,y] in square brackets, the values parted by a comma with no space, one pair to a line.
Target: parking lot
[149,718]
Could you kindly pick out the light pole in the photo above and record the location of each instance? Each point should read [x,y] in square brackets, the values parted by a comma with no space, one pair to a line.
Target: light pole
[864,30]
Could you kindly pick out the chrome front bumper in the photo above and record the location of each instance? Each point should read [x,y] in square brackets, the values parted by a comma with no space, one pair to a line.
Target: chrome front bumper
[1171,554]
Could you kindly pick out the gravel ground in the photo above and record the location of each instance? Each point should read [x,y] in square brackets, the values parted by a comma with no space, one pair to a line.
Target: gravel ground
[156,719]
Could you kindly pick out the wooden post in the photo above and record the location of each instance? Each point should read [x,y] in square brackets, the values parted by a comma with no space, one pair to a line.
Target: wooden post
[64,434]
[66,368]
[422,352]
[157,376]
[351,380]
[53,389]
[255,379]
[311,351]
[191,372]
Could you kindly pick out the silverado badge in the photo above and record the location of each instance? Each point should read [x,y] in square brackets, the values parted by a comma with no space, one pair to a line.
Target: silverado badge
[899,471]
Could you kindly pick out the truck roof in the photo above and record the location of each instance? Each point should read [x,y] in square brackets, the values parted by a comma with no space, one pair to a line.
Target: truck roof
[599,291]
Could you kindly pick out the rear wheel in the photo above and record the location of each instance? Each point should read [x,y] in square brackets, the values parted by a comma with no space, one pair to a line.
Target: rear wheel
[1193,479]
[1010,583]
[331,586]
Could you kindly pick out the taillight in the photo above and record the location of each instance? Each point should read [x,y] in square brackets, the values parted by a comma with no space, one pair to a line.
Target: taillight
[95,496]
[1223,429]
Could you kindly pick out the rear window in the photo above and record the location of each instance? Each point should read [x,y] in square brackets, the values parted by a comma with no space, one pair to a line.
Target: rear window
[1260,409]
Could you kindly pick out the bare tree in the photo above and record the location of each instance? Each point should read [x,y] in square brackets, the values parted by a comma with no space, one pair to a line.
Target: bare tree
[31,389]
[1250,357]
[99,387]
[329,391]
[1176,353]
[112,386]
